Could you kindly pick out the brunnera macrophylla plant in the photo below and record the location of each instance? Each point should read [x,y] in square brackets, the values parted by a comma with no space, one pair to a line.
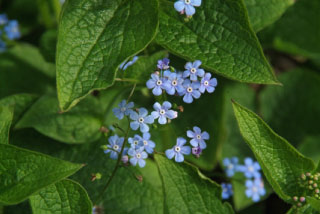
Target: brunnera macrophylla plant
[115,107]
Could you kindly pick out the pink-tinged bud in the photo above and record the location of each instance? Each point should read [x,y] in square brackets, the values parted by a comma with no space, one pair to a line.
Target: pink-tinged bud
[295,198]
[139,178]
[157,73]
[315,185]
[181,109]
[104,129]
[317,191]
[308,174]
[303,176]
[125,159]
[302,199]
[175,114]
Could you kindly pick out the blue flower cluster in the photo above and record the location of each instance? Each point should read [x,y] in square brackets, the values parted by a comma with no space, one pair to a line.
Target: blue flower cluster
[140,146]
[197,141]
[9,30]
[251,170]
[187,6]
[190,84]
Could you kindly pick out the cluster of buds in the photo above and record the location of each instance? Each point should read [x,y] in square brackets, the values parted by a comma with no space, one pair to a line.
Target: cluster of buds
[312,181]
[299,201]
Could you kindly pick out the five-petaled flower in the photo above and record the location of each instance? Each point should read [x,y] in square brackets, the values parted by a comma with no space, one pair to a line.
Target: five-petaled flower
[208,84]
[190,91]
[174,82]
[3,19]
[141,120]
[156,83]
[226,190]
[163,112]
[135,142]
[231,165]
[137,156]
[193,70]
[251,169]
[187,6]
[178,150]
[163,64]
[12,30]
[124,109]
[147,143]
[114,146]
[198,137]
[255,189]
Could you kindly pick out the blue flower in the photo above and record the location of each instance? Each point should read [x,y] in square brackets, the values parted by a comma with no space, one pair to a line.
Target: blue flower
[193,70]
[135,142]
[255,189]
[187,6]
[147,143]
[3,19]
[124,109]
[190,91]
[163,64]
[141,120]
[163,112]
[156,83]
[3,45]
[126,64]
[226,190]
[174,82]
[231,166]
[196,151]
[12,30]
[115,144]
[138,156]
[208,84]
[198,137]
[178,150]
[250,169]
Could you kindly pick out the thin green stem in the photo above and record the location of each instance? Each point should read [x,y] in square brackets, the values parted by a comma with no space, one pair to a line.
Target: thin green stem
[126,80]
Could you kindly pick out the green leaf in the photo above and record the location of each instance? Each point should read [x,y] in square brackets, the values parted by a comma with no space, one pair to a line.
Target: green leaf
[48,45]
[24,172]
[264,12]
[187,190]
[300,89]
[63,197]
[112,30]
[20,103]
[80,125]
[6,116]
[315,203]
[307,209]
[274,154]
[297,32]
[309,147]
[220,36]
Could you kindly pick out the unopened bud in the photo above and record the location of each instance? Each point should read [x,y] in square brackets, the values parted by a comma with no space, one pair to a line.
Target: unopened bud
[180,108]
[315,185]
[317,191]
[308,174]
[96,176]
[104,129]
[139,178]
[104,147]
[310,182]
[196,151]
[125,159]
[299,204]
[295,198]
[303,176]
[302,199]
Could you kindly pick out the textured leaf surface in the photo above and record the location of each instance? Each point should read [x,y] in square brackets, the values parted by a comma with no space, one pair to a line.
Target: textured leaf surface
[94,38]
[20,103]
[264,12]
[220,36]
[6,116]
[297,32]
[188,191]
[274,154]
[81,125]
[300,89]
[24,172]
[314,203]
[63,197]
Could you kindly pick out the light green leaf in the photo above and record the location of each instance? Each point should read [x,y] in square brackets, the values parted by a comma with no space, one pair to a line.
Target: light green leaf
[220,36]
[274,154]
[314,203]
[264,12]
[300,89]
[20,103]
[307,209]
[81,125]
[188,191]
[94,38]
[6,116]
[24,172]
[63,197]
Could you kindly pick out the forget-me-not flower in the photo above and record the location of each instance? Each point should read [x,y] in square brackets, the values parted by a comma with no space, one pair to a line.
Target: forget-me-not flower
[135,142]
[174,82]
[163,64]
[147,143]
[251,169]
[231,166]
[3,19]
[187,6]
[124,109]
[198,137]
[115,144]
[255,189]
[141,120]
[208,84]
[137,157]
[126,64]
[12,30]
[3,45]
[163,112]
[156,83]
[226,190]
[190,91]
[178,150]
[193,70]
